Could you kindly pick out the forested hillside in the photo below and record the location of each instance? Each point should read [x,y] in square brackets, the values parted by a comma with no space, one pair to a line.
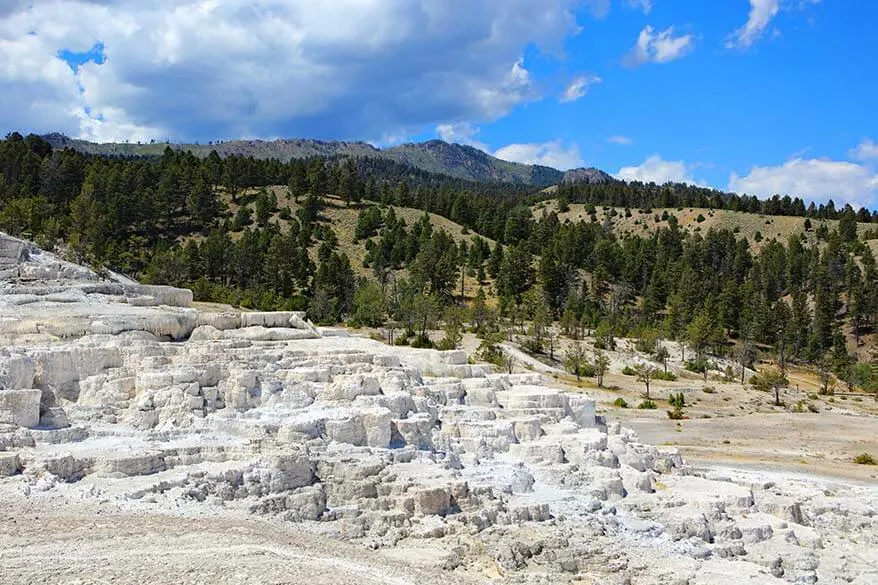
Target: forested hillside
[222,227]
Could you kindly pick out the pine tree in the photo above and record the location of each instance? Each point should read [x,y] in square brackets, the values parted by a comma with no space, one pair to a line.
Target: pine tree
[318,182]
[601,364]
[575,359]
[516,275]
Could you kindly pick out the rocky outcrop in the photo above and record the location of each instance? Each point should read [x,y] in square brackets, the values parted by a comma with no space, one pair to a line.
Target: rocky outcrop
[589,176]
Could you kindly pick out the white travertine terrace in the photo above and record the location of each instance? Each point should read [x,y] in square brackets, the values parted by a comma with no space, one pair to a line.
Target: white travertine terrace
[114,391]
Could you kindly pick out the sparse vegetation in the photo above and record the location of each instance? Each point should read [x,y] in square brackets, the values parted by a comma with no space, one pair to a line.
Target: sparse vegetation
[677,400]
[620,403]
[865,459]
[803,406]
[770,379]
[647,405]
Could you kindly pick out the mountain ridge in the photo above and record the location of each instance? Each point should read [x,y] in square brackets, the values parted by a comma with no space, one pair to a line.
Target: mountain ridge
[435,156]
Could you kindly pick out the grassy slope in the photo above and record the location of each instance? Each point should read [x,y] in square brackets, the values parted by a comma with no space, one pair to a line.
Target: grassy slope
[747,224]
[343,220]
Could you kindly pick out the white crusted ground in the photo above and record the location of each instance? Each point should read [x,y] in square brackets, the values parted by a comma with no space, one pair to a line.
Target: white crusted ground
[156,443]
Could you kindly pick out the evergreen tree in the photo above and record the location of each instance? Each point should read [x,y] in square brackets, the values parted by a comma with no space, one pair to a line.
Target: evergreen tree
[516,275]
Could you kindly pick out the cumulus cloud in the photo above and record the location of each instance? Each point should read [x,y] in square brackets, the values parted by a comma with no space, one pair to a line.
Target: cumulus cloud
[551,154]
[761,13]
[579,87]
[619,139]
[659,47]
[865,150]
[657,170]
[203,69]
[817,179]
[461,133]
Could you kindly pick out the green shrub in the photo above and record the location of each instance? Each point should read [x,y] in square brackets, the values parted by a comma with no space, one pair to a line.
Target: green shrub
[805,406]
[620,402]
[700,218]
[587,370]
[697,366]
[676,414]
[677,400]
[401,340]
[445,344]
[666,376]
[243,218]
[647,405]
[368,222]
[708,390]
[629,371]
[865,459]
[422,342]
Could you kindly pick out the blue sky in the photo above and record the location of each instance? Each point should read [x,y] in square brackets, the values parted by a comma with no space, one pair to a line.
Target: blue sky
[756,96]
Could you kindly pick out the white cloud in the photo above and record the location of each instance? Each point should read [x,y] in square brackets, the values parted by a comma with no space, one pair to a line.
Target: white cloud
[644,5]
[817,179]
[865,150]
[461,133]
[551,154]
[208,69]
[761,13]
[619,139]
[598,8]
[661,47]
[657,170]
[579,87]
